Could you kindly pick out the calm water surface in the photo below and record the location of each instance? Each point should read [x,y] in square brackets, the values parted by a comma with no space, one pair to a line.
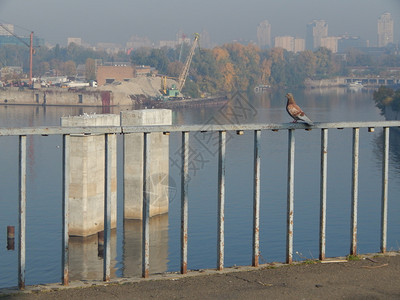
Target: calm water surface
[43,257]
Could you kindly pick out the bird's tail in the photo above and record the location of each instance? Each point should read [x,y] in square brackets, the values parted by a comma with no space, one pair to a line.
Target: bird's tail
[307,120]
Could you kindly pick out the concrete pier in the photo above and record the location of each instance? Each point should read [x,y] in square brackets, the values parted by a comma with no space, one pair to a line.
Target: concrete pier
[86,190]
[133,163]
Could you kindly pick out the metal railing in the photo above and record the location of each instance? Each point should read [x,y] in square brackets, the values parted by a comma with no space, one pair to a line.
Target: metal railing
[185,132]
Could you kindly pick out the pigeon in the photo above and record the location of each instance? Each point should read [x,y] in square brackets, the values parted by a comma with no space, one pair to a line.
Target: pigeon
[295,111]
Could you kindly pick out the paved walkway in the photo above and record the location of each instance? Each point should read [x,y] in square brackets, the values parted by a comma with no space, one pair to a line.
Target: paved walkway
[371,277]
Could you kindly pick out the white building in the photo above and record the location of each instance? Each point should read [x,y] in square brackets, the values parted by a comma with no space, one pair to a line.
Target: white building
[385,30]
[316,30]
[264,34]
[289,43]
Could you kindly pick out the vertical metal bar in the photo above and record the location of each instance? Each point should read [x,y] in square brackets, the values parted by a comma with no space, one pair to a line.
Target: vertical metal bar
[107,206]
[385,178]
[323,179]
[22,211]
[184,200]
[256,200]
[290,198]
[146,206]
[354,194]
[65,211]
[221,200]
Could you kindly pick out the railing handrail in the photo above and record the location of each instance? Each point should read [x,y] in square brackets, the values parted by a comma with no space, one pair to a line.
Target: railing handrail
[185,130]
[55,130]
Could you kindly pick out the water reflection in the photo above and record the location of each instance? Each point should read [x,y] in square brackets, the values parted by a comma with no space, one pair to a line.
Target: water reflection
[86,259]
[132,246]
[86,253]
[394,148]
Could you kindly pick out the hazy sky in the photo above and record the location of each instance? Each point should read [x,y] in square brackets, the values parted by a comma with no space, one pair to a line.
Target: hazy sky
[225,20]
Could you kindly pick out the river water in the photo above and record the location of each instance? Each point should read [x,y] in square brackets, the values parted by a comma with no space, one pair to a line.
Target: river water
[43,241]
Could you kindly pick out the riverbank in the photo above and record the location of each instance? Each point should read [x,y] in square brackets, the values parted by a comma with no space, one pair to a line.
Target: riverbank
[372,276]
[139,92]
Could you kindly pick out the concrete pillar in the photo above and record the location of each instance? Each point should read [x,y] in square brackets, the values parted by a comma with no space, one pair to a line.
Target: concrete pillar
[133,163]
[87,170]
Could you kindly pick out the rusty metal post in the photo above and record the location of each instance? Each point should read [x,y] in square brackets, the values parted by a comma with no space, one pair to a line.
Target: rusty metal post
[354,192]
[323,179]
[385,178]
[221,200]
[10,237]
[107,206]
[290,198]
[65,211]
[22,211]
[256,200]
[146,206]
[184,200]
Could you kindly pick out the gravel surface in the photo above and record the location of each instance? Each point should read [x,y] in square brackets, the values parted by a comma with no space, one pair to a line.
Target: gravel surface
[372,277]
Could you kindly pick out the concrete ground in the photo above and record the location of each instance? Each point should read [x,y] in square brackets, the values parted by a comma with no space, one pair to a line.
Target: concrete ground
[371,277]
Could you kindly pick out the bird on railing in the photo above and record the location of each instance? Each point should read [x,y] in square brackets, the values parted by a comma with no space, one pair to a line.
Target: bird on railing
[295,111]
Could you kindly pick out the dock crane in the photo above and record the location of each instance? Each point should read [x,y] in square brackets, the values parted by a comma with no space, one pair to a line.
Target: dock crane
[175,90]
[30,46]
[185,71]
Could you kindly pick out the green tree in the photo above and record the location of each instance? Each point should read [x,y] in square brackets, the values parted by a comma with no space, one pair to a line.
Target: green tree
[325,65]
[306,63]
[174,69]
[383,97]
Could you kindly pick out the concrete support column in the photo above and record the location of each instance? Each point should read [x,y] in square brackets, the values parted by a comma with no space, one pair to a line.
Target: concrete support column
[87,170]
[133,163]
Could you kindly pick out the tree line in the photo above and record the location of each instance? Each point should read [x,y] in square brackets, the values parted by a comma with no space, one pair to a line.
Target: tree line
[387,97]
[221,69]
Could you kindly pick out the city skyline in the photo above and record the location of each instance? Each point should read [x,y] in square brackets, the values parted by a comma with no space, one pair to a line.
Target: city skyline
[96,22]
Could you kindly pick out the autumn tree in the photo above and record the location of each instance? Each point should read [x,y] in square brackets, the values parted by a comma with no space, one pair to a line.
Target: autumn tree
[90,69]
[265,72]
[69,68]
[246,63]
[278,67]
[225,68]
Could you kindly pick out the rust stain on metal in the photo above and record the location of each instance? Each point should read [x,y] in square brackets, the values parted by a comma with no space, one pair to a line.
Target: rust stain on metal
[184,268]
[66,277]
[10,232]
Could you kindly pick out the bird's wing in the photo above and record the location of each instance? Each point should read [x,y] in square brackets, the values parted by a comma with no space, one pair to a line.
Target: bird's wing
[294,110]
[305,119]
